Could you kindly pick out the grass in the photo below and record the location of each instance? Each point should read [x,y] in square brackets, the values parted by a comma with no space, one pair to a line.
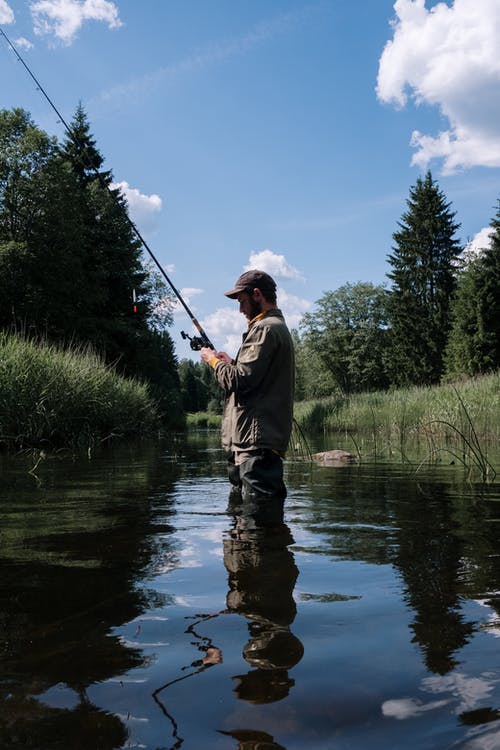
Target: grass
[460,418]
[204,420]
[55,397]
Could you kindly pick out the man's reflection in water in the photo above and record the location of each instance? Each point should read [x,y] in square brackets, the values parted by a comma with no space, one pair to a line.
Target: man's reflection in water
[262,575]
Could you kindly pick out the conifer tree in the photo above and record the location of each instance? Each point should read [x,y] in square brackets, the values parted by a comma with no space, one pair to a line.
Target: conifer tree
[69,257]
[423,281]
[81,150]
[474,342]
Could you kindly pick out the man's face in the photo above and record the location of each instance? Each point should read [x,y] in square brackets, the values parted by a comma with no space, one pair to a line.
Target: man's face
[249,306]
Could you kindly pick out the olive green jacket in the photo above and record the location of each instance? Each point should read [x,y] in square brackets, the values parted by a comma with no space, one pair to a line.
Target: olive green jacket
[259,385]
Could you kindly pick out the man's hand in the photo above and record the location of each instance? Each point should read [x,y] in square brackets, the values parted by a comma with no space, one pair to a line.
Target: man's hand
[207,354]
[224,357]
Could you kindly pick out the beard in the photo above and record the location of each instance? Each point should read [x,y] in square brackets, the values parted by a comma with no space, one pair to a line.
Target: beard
[255,308]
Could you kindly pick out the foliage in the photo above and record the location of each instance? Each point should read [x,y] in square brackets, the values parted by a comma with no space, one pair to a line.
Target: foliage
[206,420]
[423,264]
[435,419]
[474,342]
[348,333]
[70,261]
[199,389]
[313,414]
[56,397]
[312,378]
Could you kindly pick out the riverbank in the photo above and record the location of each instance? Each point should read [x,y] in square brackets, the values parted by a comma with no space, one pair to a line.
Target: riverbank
[464,415]
[55,397]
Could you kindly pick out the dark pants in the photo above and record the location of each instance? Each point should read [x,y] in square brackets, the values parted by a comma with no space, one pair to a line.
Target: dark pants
[259,476]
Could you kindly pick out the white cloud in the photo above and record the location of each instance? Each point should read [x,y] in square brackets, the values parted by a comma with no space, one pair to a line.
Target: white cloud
[6,13]
[462,693]
[480,241]
[408,708]
[224,328]
[187,294]
[64,18]
[273,264]
[23,43]
[143,208]
[468,692]
[190,291]
[447,57]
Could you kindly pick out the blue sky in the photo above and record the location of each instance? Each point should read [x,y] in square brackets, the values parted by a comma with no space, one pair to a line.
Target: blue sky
[280,134]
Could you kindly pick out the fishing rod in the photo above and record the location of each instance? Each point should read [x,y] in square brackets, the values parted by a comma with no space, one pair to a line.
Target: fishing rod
[196,342]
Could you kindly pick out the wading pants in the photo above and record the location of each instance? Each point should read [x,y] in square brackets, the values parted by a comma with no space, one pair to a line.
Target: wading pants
[258,476]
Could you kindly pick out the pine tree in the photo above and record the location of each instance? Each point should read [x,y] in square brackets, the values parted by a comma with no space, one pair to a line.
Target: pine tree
[474,342]
[423,281]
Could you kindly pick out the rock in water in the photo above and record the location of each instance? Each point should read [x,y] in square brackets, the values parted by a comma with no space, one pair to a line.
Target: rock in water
[329,458]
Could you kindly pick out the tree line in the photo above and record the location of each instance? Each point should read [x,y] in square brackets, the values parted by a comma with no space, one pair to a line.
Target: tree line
[72,271]
[71,266]
[437,319]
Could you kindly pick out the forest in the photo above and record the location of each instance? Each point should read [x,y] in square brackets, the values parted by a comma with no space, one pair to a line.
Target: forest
[72,274]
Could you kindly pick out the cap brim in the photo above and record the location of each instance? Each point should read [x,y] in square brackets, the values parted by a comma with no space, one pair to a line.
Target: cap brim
[233,293]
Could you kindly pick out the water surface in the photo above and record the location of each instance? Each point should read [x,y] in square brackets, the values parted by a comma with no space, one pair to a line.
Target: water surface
[140,608]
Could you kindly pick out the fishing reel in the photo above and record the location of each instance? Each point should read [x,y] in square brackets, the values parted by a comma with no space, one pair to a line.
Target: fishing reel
[195,342]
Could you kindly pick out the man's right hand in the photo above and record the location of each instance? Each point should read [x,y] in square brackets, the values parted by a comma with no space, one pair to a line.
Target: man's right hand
[224,357]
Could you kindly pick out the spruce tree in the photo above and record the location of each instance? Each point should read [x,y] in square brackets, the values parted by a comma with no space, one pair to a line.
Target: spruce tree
[474,342]
[80,148]
[423,281]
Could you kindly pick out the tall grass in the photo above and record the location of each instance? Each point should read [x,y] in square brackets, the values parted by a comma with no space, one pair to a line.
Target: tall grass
[461,416]
[65,397]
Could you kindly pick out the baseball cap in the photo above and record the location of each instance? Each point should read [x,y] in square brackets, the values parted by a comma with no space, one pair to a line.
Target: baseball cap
[252,280]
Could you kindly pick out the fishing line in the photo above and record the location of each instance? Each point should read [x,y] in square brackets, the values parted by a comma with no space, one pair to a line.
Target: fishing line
[195,341]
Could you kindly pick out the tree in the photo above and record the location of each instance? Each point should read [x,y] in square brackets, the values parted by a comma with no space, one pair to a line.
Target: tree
[70,260]
[312,379]
[423,282]
[113,251]
[200,391]
[80,149]
[40,231]
[348,332]
[474,341]
[25,151]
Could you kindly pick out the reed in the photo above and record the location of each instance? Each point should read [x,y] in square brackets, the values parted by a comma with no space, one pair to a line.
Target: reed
[316,415]
[464,415]
[66,397]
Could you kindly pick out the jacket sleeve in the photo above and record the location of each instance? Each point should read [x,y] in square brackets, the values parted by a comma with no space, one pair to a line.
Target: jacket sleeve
[253,361]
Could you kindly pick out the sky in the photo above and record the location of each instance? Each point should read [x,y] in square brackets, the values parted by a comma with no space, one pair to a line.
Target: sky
[283,135]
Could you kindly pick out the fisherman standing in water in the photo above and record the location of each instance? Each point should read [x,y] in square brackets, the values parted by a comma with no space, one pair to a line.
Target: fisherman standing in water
[259,386]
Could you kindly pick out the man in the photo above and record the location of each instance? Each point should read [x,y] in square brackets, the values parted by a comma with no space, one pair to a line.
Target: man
[259,386]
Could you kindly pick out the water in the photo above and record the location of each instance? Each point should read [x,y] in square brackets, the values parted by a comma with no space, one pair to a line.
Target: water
[138,610]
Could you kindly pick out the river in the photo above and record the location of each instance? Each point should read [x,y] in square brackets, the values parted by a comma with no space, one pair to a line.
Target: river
[142,609]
